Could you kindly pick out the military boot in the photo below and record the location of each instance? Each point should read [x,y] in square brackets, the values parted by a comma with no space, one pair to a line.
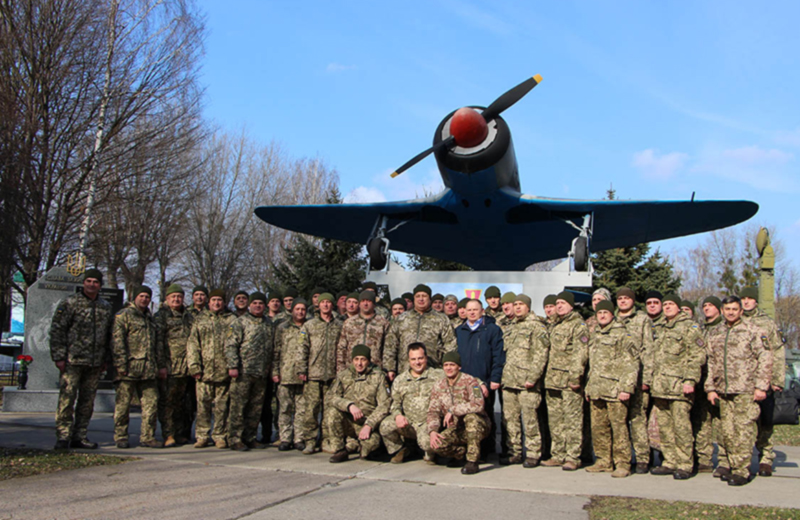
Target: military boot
[398,457]
[151,444]
[530,462]
[470,468]
[765,470]
[239,446]
[508,461]
[621,473]
[599,467]
[61,444]
[722,472]
[202,443]
[85,444]
[340,456]
[310,448]
[737,480]
[221,444]
[662,470]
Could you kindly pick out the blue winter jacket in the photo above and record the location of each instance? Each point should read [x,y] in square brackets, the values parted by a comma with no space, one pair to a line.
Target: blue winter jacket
[481,351]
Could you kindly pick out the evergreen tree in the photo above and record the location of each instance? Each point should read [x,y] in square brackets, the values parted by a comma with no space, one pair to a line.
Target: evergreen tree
[428,263]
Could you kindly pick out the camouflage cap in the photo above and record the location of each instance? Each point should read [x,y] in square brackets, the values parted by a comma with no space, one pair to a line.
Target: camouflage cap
[217,293]
[567,297]
[368,295]
[260,296]
[299,301]
[605,293]
[93,273]
[326,296]
[749,292]
[713,300]
[451,298]
[604,305]
[200,288]
[508,297]
[422,288]
[174,288]
[672,297]
[452,357]
[550,299]
[492,292]
[524,298]
[360,350]
[438,297]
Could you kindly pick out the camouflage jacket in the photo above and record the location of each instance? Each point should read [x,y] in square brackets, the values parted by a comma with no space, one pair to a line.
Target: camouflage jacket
[280,318]
[463,397]
[569,341]
[455,321]
[591,323]
[368,391]
[172,334]
[80,333]
[506,323]
[205,349]
[707,326]
[359,331]
[430,327]
[318,350]
[382,310]
[411,396]
[136,353]
[527,345]
[613,362]
[680,352]
[774,340]
[286,362]
[640,329]
[496,314]
[249,345]
[738,359]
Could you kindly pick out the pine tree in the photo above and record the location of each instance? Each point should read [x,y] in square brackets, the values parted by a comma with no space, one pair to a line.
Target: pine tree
[428,263]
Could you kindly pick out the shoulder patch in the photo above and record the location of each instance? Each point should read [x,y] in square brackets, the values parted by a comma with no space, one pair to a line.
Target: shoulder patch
[584,339]
[700,342]
[476,391]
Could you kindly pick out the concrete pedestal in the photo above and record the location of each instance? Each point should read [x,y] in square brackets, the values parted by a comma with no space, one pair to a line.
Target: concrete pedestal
[15,400]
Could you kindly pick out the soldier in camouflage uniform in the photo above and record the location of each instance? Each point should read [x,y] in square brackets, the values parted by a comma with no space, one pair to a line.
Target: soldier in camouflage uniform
[493,308]
[569,339]
[640,329]
[679,355]
[507,306]
[199,304]
[380,308]
[205,352]
[457,405]
[359,401]
[138,359]
[289,295]
[173,325]
[241,301]
[549,306]
[368,328]
[599,295]
[462,311]
[398,307]
[418,325]
[286,370]
[80,346]
[277,315]
[411,395]
[614,369]
[317,369]
[527,345]
[248,351]
[451,309]
[706,423]
[351,305]
[775,343]
[437,303]
[739,375]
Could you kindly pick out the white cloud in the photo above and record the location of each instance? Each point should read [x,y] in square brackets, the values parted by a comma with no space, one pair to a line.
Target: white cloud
[790,138]
[364,194]
[338,67]
[759,168]
[660,167]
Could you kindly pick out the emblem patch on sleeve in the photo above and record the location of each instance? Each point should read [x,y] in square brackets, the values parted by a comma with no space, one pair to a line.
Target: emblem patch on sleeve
[700,343]
[476,390]
[584,339]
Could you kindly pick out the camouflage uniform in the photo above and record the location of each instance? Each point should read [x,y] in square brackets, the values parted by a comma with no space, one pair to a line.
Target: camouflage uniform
[706,420]
[527,345]
[613,368]
[506,323]
[496,314]
[455,321]
[775,343]
[569,353]
[410,398]
[248,349]
[382,311]
[430,328]
[318,363]
[464,400]
[640,329]
[289,338]
[80,335]
[172,333]
[369,392]
[739,362]
[205,352]
[591,323]
[360,331]
[137,359]
[679,356]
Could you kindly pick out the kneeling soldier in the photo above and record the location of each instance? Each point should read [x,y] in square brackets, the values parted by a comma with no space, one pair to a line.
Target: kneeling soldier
[457,404]
[359,400]
[613,370]
[411,395]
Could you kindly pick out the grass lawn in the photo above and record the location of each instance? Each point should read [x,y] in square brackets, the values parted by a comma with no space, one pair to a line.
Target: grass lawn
[786,435]
[24,462]
[623,508]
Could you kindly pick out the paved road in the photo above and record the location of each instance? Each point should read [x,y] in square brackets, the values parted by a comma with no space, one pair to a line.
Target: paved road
[211,483]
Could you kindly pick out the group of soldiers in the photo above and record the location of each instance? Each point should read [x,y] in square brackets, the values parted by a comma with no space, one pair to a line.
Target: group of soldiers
[351,374]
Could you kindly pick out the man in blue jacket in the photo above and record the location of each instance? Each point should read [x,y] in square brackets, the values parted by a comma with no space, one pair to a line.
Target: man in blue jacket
[480,345]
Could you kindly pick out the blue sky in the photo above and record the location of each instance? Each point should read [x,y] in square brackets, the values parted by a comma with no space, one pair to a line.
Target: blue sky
[660,99]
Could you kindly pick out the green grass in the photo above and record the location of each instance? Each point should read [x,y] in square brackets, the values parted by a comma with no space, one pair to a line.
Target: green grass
[25,462]
[624,508]
[786,435]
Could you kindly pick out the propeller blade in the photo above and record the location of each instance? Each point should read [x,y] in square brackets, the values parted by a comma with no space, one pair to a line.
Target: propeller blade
[417,158]
[506,100]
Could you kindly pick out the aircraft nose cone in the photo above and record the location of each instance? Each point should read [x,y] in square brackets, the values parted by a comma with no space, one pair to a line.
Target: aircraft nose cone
[468,127]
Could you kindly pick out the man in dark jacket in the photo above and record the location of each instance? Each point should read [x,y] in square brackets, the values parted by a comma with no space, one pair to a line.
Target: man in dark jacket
[480,345]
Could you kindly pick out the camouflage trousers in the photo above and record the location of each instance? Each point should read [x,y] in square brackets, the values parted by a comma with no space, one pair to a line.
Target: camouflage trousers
[520,415]
[147,392]
[707,428]
[739,416]
[247,400]
[465,438]
[172,410]
[291,413]
[764,438]
[212,398]
[675,430]
[314,413]
[344,433]
[76,391]
[394,438]
[610,436]
[637,415]
[565,413]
